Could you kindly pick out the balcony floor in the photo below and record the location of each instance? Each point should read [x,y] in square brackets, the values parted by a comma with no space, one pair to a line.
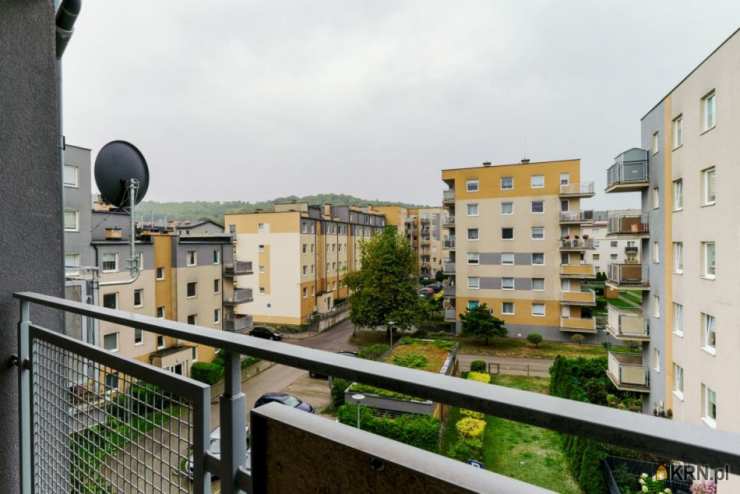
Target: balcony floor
[635,388]
[627,187]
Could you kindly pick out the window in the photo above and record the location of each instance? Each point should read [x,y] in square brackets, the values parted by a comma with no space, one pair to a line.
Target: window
[538,284]
[507,258]
[656,252]
[160,273]
[71,220]
[613,257]
[709,333]
[472,234]
[139,297]
[305,270]
[472,304]
[111,381]
[538,232]
[304,248]
[110,342]
[192,258]
[138,336]
[261,227]
[565,179]
[216,285]
[305,292]
[191,319]
[507,283]
[473,282]
[708,111]
[110,300]
[614,243]
[507,233]
[507,183]
[538,310]
[656,359]
[709,408]
[656,306]
[678,257]
[262,290]
[473,209]
[507,308]
[656,142]
[472,185]
[261,247]
[71,260]
[195,354]
[192,289]
[677,132]
[709,194]
[473,258]
[537,181]
[507,208]
[538,258]
[71,176]
[656,197]
[709,260]
[160,342]
[677,195]
[160,312]
[678,380]
[216,257]
[677,319]
[538,206]
[262,268]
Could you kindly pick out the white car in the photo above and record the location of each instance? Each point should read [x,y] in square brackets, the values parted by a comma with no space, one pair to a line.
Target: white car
[214,448]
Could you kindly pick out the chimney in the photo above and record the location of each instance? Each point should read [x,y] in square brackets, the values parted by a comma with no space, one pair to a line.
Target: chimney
[486,163]
[525,161]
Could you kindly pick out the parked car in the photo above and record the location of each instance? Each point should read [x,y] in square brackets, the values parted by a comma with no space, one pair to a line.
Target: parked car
[316,375]
[214,447]
[425,292]
[266,333]
[284,399]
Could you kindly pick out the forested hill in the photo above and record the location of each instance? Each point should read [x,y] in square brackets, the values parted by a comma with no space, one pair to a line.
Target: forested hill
[214,210]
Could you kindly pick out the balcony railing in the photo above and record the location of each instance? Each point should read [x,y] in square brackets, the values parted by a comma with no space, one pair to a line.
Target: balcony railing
[448,267]
[628,373]
[238,296]
[576,216]
[629,172]
[577,271]
[627,324]
[578,325]
[627,276]
[628,224]
[450,315]
[449,243]
[586,298]
[239,323]
[237,268]
[171,451]
[577,189]
[448,196]
[576,244]
[449,222]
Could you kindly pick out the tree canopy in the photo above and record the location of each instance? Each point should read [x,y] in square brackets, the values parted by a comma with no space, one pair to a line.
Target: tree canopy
[480,322]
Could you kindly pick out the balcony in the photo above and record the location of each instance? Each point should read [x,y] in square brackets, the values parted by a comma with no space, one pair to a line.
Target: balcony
[578,324]
[629,173]
[576,217]
[627,324]
[627,372]
[629,225]
[448,267]
[622,276]
[449,243]
[52,460]
[238,296]
[237,268]
[449,222]
[576,244]
[583,271]
[448,197]
[450,315]
[239,323]
[577,189]
[586,298]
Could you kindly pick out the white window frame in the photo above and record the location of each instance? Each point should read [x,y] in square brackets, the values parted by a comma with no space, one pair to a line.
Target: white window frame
[544,310]
[164,343]
[655,146]
[565,176]
[678,194]
[477,234]
[511,211]
[538,289]
[656,306]
[76,216]
[187,284]
[216,256]
[533,237]
[678,381]
[115,258]
[656,197]
[217,285]
[473,258]
[501,182]
[531,207]
[709,398]
[138,336]
[474,182]
[140,291]
[75,170]
[72,260]
[474,282]
[705,181]
[705,247]
[473,205]
[709,333]
[678,319]
[656,359]
[535,178]
[164,312]
[513,258]
[112,350]
[677,131]
[709,119]
[503,309]
[678,257]
[156,273]
[192,258]
[513,283]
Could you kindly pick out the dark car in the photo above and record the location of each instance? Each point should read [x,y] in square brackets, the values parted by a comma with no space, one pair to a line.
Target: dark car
[284,399]
[316,375]
[266,333]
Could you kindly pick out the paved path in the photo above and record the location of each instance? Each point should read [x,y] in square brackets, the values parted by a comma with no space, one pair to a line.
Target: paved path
[536,367]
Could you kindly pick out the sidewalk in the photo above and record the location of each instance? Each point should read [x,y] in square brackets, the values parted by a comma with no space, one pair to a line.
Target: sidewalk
[509,365]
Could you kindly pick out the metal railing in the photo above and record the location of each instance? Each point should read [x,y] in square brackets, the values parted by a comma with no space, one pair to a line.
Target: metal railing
[628,224]
[679,441]
[448,267]
[628,372]
[576,216]
[628,171]
[238,296]
[449,243]
[627,324]
[578,324]
[627,275]
[238,268]
[577,189]
[448,196]
[578,297]
[576,243]
[238,322]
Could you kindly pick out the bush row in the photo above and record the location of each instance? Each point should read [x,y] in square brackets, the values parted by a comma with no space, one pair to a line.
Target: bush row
[420,431]
[212,372]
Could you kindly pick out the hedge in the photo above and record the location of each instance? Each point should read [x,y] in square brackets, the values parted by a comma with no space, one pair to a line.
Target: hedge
[373,352]
[338,386]
[420,431]
[478,366]
[207,372]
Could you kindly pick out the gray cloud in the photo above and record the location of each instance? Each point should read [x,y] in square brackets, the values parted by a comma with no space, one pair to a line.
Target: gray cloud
[251,100]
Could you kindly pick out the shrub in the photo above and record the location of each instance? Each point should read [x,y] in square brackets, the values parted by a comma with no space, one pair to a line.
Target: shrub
[406,340]
[466,449]
[337,391]
[411,360]
[471,413]
[483,377]
[207,372]
[249,361]
[534,338]
[444,344]
[470,428]
[420,431]
[478,366]
[577,338]
[373,352]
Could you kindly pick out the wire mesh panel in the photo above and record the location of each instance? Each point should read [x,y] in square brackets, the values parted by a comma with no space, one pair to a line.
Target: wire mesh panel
[97,428]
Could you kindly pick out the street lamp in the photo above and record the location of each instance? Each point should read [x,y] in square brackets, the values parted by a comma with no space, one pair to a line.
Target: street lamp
[358,399]
[390,331]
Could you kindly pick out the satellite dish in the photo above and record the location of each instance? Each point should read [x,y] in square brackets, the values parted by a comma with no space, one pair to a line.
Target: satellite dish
[117,163]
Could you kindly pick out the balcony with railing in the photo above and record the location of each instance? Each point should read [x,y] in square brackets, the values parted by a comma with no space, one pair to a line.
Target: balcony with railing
[78,403]
[627,324]
[237,268]
[584,271]
[586,298]
[633,275]
[448,267]
[578,324]
[448,196]
[627,372]
[448,222]
[239,323]
[577,189]
[450,315]
[576,244]
[449,243]
[238,296]
[576,217]
[630,172]
[628,225]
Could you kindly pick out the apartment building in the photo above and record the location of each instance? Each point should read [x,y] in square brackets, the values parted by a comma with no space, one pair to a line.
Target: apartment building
[515,243]
[686,171]
[611,248]
[301,254]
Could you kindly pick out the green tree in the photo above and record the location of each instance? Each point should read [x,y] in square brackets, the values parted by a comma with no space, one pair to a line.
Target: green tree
[482,323]
[384,289]
[534,338]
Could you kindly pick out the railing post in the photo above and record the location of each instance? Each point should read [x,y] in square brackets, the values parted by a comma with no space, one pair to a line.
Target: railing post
[233,417]
[24,398]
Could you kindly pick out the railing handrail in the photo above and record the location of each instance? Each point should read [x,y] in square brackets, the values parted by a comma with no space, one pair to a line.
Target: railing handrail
[680,441]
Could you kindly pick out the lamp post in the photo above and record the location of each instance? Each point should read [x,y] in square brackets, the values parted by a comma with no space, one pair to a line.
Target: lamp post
[358,399]
[390,331]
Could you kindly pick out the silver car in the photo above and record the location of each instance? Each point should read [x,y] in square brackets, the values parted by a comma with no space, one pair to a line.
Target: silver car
[214,448]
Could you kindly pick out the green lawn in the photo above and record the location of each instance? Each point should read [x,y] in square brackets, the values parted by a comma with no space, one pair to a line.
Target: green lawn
[628,299]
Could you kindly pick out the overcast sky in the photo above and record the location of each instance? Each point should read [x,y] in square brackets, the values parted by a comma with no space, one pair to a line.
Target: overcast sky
[244,100]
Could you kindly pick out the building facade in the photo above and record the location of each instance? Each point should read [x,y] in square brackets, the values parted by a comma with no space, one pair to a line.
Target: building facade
[515,244]
[300,255]
[610,248]
[688,268]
